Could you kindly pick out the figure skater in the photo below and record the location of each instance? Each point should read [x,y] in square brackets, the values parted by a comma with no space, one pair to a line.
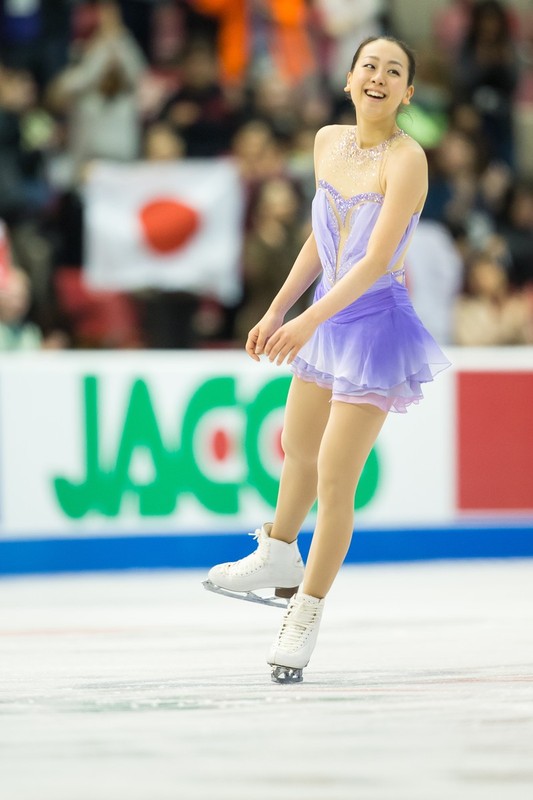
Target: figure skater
[358,352]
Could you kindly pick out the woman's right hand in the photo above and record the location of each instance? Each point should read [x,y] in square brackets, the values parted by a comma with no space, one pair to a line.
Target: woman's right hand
[260,333]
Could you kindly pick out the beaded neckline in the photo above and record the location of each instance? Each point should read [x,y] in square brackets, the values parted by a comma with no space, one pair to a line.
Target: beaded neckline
[345,155]
[372,152]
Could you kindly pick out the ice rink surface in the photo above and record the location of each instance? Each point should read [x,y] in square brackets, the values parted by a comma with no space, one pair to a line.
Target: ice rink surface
[143,686]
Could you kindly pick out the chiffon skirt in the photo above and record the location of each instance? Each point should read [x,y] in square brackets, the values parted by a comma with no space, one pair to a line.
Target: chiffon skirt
[375,350]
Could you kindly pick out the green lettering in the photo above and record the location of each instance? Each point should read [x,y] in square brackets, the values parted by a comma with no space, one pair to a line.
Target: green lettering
[103,489]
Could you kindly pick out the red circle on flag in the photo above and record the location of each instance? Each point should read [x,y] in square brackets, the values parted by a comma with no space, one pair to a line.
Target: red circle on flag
[168,224]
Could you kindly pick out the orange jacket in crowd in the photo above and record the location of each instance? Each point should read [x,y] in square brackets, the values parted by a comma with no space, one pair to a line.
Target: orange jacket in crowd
[290,46]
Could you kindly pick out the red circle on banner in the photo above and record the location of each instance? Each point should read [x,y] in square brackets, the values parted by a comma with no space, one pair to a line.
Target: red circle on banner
[168,224]
[221,445]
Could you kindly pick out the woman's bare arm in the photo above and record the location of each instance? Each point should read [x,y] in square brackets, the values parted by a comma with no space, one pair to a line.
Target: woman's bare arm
[304,271]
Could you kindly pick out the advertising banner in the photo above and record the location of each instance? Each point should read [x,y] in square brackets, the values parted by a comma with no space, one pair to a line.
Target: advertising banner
[183,443]
[137,444]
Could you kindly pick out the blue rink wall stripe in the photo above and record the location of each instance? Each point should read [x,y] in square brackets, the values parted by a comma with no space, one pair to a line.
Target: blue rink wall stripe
[34,556]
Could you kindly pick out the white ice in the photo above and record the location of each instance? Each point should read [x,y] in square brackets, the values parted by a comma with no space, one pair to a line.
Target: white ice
[143,686]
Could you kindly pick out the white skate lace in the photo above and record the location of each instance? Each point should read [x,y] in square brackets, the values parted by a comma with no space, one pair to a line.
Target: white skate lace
[297,625]
[255,560]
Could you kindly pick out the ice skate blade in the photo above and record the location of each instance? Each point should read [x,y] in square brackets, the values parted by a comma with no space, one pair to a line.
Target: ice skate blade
[250,597]
[286,674]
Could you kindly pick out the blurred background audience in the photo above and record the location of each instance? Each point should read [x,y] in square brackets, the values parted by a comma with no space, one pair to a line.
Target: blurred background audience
[252,81]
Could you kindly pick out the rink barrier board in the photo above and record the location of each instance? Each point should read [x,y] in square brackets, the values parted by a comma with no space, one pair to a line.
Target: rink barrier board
[38,556]
[446,480]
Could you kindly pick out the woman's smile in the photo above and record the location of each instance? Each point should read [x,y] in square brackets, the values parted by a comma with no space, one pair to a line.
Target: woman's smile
[375,94]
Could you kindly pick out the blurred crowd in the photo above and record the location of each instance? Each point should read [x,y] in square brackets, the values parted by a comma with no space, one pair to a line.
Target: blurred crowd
[165,80]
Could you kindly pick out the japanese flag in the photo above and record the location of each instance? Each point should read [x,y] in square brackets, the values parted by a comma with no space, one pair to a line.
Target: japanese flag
[173,226]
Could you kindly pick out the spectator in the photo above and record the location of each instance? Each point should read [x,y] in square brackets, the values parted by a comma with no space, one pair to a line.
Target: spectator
[490,312]
[22,188]
[281,41]
[450,24]
[26,134]
[98,94]
[138,18]
[300,162]
[434,277]
[162,143]
[258,152]
[494,190]
[455,168]
[487,75]
[427,119]
[270,248]
[276,102]
[34,36]
[517,230]
[166,318]
[261,37]
[198,111]
[16,331]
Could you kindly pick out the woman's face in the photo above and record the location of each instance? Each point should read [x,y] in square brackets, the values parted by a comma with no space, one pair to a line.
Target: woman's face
[378,82]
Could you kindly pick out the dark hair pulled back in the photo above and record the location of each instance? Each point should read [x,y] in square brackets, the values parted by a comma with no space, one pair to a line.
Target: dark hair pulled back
[411,60]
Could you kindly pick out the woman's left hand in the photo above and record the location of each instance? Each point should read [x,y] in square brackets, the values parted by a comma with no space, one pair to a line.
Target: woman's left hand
[289,338]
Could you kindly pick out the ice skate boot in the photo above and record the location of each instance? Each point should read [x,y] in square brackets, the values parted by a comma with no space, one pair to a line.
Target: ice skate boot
[273,565]
[296,639]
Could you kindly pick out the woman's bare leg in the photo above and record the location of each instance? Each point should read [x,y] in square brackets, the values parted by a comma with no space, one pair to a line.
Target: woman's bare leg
[348,438]
[306,415]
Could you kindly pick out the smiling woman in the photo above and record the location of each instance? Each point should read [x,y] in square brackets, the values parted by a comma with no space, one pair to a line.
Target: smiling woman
[357,353]
[371,63]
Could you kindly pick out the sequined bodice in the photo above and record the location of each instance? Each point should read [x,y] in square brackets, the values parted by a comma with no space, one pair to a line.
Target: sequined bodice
[344,220]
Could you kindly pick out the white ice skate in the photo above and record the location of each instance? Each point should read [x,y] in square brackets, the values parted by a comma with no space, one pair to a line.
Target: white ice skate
[296,639]
[273,565]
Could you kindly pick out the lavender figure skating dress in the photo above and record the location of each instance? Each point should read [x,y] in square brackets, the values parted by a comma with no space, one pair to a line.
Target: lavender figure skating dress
[376,350]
